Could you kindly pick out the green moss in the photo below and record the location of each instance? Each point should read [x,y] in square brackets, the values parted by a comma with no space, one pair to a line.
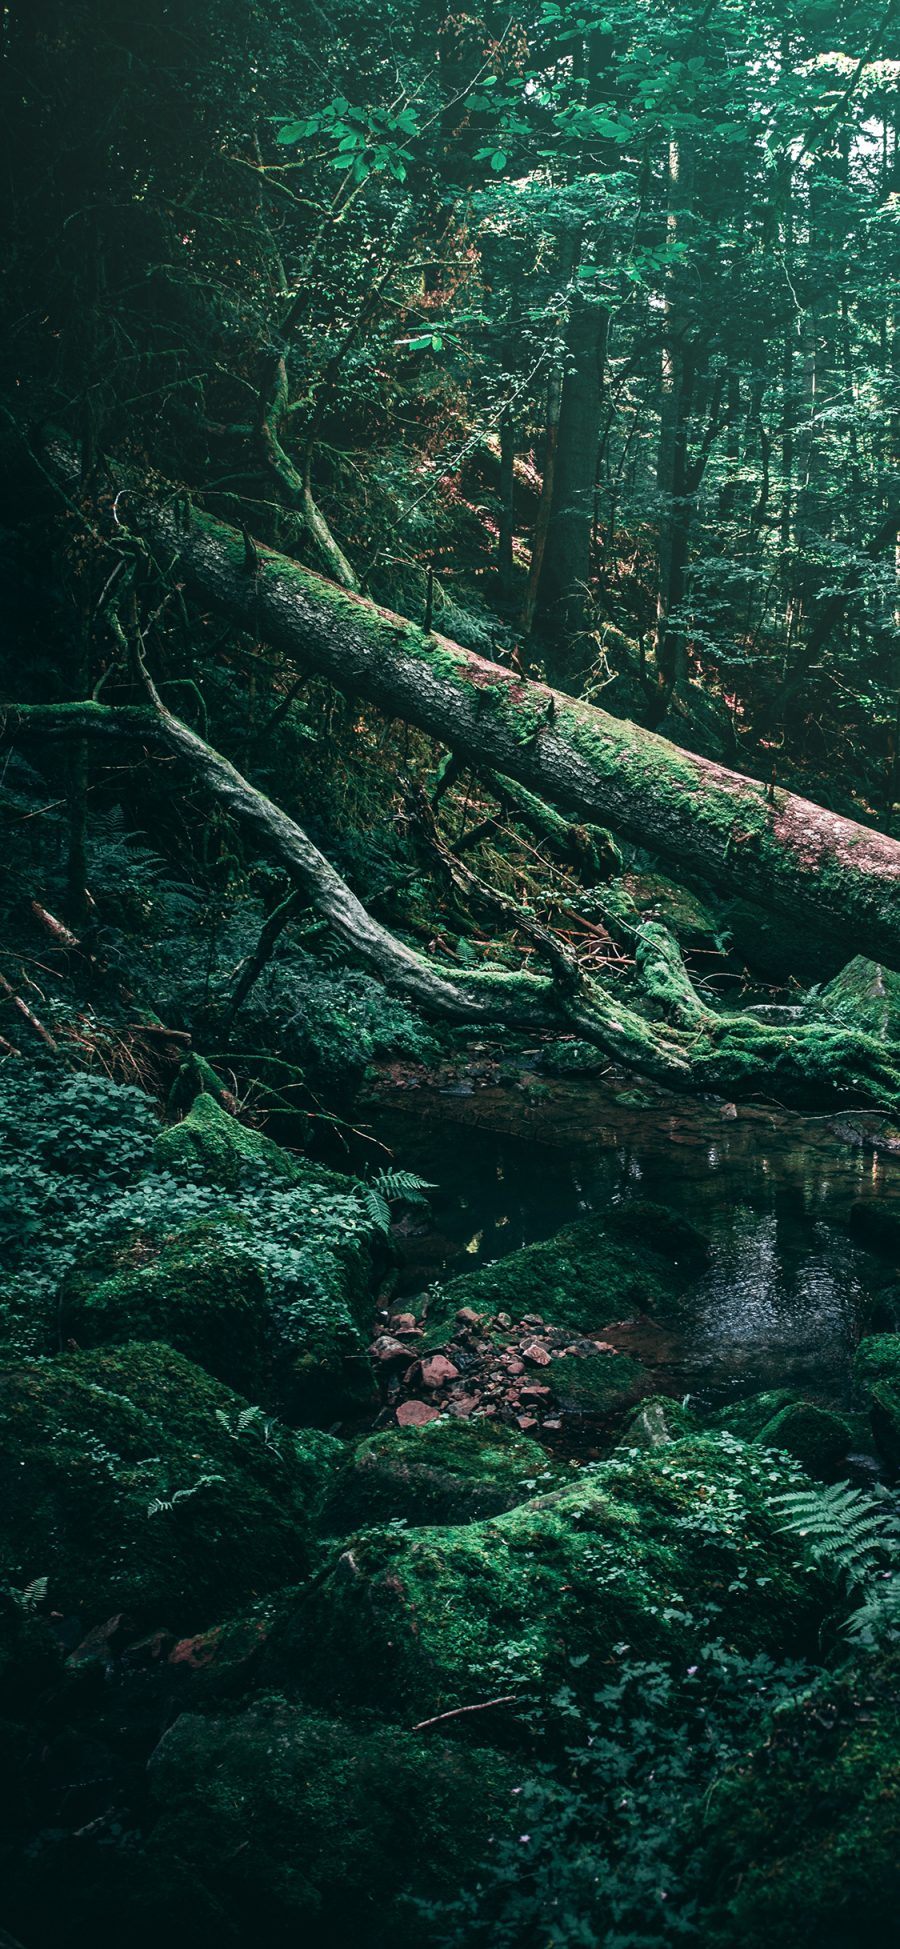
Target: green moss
[876,1374]
[643,1550]
[601,1385]
[301,1828]
[651,895]
[864,996]
[90,1441]
[816,1437]
[445,1472]
[747,1418]
[634,1258]
[657,1422]
[212,1145]
[802,1844]
[201,1291]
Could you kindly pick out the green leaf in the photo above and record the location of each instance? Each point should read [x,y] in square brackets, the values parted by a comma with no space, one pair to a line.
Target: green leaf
[499,160]
[292,132]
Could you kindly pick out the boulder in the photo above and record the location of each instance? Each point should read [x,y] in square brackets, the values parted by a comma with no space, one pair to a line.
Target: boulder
[802,1842]
[136,1484]
[443,1471]
[636,1258]
[817,1437]
[214,1147]
[200,1289]
[657,1422]
[642,1550]
[301,1828]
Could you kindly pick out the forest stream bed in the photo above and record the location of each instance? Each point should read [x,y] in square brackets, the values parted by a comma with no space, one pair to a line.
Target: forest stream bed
[788,1287]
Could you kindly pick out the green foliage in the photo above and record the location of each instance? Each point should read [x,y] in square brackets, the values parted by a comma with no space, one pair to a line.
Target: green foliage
[854,1534]
[606,1848]
[392,1187]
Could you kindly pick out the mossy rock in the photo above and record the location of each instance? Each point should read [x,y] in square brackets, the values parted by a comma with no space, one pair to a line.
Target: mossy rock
[212,1145]
[657,1422]
[747,1417]
[802,1843]
[303,1829]
[603,1386]
[91,1441]
[635,1258]
[643,1550]
[317,1338]
[876,1375]
[200,1290]
[444,1472]
[877,1225]
[864,996]
[652,896]
[817,1437]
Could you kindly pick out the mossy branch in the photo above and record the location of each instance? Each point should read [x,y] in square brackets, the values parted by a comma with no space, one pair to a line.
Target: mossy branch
[698,1050]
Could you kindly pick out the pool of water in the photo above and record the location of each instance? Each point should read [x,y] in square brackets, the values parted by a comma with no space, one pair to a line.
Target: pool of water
[787,1288]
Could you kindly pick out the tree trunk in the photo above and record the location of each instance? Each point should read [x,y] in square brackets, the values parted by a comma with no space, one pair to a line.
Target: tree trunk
[564,592]
[734,831]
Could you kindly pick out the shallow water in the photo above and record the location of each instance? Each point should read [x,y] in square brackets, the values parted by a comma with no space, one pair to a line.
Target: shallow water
[783,1299]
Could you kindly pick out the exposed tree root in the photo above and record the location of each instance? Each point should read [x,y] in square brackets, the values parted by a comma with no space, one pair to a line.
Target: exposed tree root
[695,1048]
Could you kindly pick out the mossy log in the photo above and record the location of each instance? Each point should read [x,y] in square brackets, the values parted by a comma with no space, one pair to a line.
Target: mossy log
[737,832]
[695,1048]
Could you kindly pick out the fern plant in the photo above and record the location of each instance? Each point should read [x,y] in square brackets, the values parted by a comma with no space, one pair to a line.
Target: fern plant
[392,1187]
[854,1535]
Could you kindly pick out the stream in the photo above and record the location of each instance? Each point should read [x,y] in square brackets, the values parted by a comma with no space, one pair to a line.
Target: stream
[788,1287]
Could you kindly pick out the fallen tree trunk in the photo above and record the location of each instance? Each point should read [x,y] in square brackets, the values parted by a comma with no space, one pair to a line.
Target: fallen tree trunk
[695,1049]
[739,834]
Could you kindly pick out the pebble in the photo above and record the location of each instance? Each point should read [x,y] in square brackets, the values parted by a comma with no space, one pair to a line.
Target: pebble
[386,1349]
[437,1369]
[414,1414]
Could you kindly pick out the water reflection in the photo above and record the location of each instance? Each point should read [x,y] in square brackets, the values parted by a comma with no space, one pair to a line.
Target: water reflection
[781,1302]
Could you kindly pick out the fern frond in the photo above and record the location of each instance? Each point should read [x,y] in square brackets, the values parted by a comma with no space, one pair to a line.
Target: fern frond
[877,1619]
[850,1532]
[394,1185]
[376,1209]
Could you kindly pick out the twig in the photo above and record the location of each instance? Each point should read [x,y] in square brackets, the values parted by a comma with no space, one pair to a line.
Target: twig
[509,1698]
